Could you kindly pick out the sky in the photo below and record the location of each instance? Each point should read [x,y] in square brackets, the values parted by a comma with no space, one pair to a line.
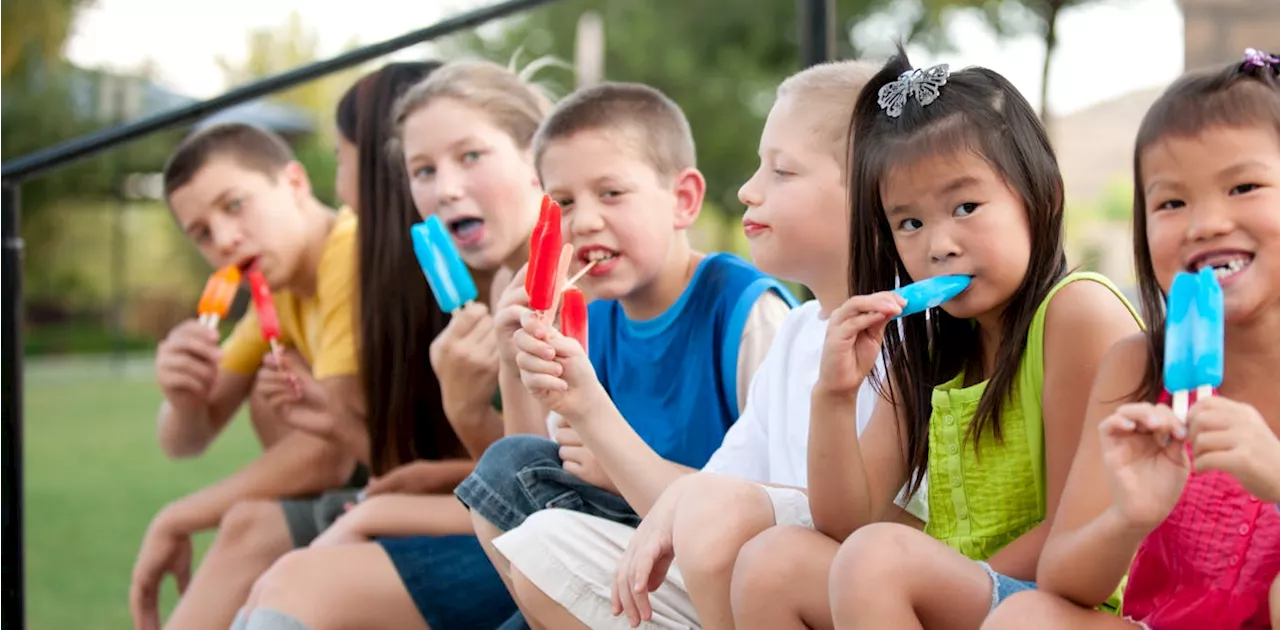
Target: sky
[1106,48]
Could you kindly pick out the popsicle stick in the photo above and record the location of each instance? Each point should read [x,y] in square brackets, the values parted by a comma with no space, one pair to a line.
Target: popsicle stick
[1180,404]
[578,276]
[1203,392]
[213,320]
[204,319]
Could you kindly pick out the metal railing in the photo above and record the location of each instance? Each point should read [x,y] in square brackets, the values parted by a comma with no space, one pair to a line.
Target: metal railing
[816,45]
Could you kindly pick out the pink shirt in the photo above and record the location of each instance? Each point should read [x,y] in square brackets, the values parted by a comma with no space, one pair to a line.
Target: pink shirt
[1210,564]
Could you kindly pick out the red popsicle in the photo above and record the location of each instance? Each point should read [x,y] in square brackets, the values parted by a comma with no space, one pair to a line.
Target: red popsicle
[269,321]
[573,315]
[544,257]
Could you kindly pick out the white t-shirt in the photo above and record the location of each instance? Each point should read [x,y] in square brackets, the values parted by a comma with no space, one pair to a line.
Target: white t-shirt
[770,441]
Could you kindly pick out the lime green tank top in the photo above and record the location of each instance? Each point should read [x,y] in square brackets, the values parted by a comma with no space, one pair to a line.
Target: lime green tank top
[978,503]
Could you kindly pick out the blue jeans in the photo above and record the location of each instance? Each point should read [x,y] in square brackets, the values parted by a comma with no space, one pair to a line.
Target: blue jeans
[450,581]
[1003,586]
[522,474]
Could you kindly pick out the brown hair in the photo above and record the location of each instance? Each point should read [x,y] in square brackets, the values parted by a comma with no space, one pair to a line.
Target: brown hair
[645,115]
[1241,94]
[252,147]
[824,95]
[397,317]
[514,105]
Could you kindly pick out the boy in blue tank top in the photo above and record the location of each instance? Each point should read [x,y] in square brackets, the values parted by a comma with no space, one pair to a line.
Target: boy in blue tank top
[674,335]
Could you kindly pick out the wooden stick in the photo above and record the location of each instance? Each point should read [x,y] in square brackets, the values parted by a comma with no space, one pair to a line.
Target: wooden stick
[578,276]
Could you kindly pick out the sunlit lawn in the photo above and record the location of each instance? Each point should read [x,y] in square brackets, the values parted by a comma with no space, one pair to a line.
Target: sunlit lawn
[94,478]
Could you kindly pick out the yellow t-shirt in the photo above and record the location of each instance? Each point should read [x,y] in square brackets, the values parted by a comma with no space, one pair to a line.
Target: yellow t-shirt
[319,327]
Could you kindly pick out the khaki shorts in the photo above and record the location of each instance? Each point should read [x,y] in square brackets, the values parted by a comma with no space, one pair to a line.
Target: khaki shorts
[572,556]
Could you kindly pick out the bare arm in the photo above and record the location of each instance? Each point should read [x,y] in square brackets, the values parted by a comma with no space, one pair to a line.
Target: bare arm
[477,429]
[346,407]
[521,412]
[1083,321]
[852,480]
[403,515]
[186,433]
[297,465]
[1089,549]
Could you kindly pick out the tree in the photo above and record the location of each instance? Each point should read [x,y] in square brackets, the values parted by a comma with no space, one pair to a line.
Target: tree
[35,29]
[720,61]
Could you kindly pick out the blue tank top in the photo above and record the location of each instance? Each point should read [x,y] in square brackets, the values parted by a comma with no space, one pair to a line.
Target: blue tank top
[674,377]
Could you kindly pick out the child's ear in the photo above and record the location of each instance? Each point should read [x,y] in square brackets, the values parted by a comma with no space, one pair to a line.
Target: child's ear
[295,177]
[689,188]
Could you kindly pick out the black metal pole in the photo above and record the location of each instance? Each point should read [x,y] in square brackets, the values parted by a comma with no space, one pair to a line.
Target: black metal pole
[33,163]
[15,578]
[817,31]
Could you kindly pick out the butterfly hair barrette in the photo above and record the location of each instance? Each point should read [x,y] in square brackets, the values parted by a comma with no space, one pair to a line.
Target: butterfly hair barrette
[921,84]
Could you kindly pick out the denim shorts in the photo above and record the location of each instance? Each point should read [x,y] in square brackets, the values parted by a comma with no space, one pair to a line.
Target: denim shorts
[451,581]
[1003,586]
[522,474]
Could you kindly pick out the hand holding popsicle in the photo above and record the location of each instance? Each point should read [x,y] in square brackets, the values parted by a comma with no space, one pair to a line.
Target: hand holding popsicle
[931,293]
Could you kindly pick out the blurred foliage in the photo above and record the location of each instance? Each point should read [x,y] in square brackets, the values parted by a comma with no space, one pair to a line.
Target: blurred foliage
[35,29]
[719,59]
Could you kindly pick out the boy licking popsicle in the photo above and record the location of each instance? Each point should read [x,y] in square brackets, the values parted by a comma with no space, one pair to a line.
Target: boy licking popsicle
[238,194]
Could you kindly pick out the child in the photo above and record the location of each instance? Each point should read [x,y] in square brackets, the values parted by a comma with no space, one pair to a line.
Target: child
[675,335]
[238,194]
[952,174]
[1195,501]
[702,520]
[465,136]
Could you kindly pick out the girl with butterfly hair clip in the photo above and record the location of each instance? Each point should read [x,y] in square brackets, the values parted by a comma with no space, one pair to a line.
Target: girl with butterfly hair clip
[952,173]
[1193,505]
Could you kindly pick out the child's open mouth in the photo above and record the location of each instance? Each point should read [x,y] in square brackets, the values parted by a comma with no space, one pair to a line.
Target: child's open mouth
[1225,264]
[466,230]
[604,259]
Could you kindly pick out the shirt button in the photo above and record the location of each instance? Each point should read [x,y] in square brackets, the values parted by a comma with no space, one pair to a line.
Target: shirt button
[952,449]
[962,514]
[950,420]
[1233,560]
[1244,529]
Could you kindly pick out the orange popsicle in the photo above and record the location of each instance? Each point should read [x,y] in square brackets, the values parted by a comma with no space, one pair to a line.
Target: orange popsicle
[219,293]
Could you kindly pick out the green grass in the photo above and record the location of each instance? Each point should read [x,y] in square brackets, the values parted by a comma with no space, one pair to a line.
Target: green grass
[94,477]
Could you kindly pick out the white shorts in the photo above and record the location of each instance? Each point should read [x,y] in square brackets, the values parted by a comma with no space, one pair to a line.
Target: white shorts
[571,557]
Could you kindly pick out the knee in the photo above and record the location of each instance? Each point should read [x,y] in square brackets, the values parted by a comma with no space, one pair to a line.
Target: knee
[716,516]
[871,555]
[252,527]
[294,573]
[1014,612]
[498,466]
[762,571]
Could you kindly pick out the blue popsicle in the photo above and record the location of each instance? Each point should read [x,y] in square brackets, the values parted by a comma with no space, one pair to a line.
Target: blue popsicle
[448,276]
[931,293]
[1179,346]
[1210,326]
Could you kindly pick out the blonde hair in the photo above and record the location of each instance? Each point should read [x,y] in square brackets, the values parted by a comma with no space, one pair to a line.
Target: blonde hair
[652,122]
[824,95]
[513,104]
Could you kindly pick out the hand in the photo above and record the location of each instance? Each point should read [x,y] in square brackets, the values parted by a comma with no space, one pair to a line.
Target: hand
[347,529]
[187,365]
[510,309]
[1145,454]
[164,550]
[288,383]
[464,357]
[578,459]
[420,477]
[854,334]
[644,564]
[556,370]
[1232,437]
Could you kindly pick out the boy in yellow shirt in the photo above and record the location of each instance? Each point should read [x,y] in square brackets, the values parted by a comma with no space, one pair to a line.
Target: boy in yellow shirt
[238,194]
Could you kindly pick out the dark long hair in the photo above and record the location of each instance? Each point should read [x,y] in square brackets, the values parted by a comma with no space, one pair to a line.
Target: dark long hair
[979,111]
[398,318]
[1238,95]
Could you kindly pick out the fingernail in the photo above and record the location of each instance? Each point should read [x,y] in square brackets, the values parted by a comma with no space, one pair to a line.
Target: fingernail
[1179,431]
[1128,424]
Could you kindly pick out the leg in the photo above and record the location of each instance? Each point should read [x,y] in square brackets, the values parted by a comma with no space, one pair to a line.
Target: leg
[251,536]
[780,580]
[438,582]
[888,575]
[1035,609]
[716,516]
[540,611]
[562,565]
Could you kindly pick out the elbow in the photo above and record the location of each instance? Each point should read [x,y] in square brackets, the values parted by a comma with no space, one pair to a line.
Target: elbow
[177,446]
[1065,583]
[830,524]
